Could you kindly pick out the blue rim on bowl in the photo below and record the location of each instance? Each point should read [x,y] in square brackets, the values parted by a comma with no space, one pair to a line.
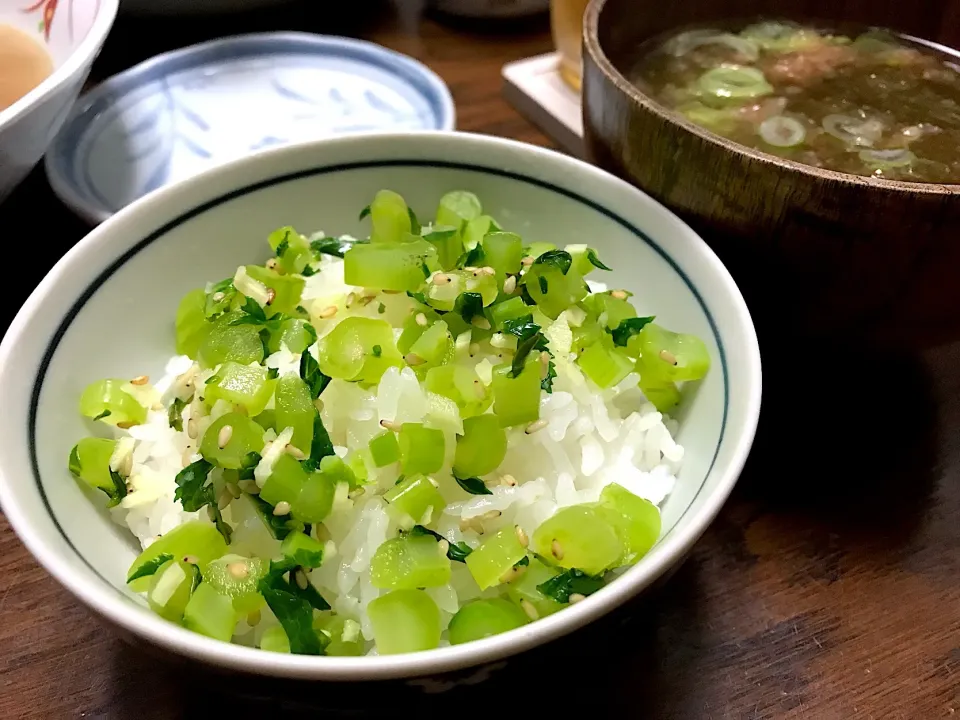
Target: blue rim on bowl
[135,132]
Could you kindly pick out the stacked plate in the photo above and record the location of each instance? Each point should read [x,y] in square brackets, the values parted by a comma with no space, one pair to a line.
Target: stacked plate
[185,111]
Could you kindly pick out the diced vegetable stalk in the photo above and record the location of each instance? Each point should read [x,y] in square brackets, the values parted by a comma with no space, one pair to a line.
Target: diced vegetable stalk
[229,439]
[105,400]
[664,396]
[210,613]
[604,364]
[491,562]
[300,550]
[482,447]
[476,229]
[670,356]
[384,449]
[579,537]
[389,218]
[287,289]
[274,639]
[236,577]
[458,207]
[608,310]
[292,249]
[414,501]
[448,243]
[480,619]
[635,520]
[503,251]
[516,400]
[552,288]
[585,259]
[171,588]
[344,634]
[226,342]
[523,590]
[359,349]
[246,385]
[404,621]
[410,562]
[432,348]
[196,540]
[285,481]
[462,385]
[510,309]
[536,249]
[421,449]
[393,266]
[191,323]
[294,409]
[294,334]
[90,462]
[308,496]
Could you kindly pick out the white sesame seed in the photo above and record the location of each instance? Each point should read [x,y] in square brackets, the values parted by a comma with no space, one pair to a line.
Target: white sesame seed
[223,437]
[480,321]
[390,425]
[190,559]
[356,493]
[350,299]
[508,480]
[510,285]
[413,359]
[282,508]
[321,532]
[218,296]
[490,515]
[187,456]
[271,264]
[140,380]
[521,536]
[126,467]
[576,597]
[487,270]
[296,452]
[528,260]
[556,549]
[443,546]
[668,357]
[534,426]
[212,513]
[301,578]
[271,295]
[440,278]
[421,320]
[328,312]
[545,357]
[192,429]
[225,499]
[619,295]
[239,570]
[234,490]
[529,609]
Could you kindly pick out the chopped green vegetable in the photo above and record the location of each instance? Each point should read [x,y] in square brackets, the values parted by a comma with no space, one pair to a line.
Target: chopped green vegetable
[384,449]
[421,449]
[197,540]
[482,447]
[404,621]
[490,563]
[578,536]
[628,328]
[194,492]
[480,619]
[191,323]
[210,613]
[107,401]
[472,485]
[457,551]
[410,562]
[90,462]
[414,501]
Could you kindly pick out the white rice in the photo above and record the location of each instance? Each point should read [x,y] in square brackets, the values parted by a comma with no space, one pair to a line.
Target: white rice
[590,438]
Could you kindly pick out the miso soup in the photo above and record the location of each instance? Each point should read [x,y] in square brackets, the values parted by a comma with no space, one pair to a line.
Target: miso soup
[870,103]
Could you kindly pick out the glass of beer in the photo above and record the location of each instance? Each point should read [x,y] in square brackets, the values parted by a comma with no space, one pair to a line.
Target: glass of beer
[566,22]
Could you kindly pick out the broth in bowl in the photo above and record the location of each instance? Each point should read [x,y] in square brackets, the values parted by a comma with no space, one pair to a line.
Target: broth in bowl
[872,103]
[24,64]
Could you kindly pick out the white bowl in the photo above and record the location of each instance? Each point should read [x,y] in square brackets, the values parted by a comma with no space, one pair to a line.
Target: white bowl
[73,33]
[106,310]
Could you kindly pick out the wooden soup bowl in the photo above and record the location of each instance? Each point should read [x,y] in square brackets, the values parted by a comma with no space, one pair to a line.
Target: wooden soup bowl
[818,254]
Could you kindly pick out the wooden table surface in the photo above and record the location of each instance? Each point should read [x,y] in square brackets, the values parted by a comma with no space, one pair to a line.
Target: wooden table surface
[828,588]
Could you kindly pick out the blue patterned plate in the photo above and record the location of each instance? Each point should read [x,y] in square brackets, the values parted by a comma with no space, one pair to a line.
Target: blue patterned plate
[185,111]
